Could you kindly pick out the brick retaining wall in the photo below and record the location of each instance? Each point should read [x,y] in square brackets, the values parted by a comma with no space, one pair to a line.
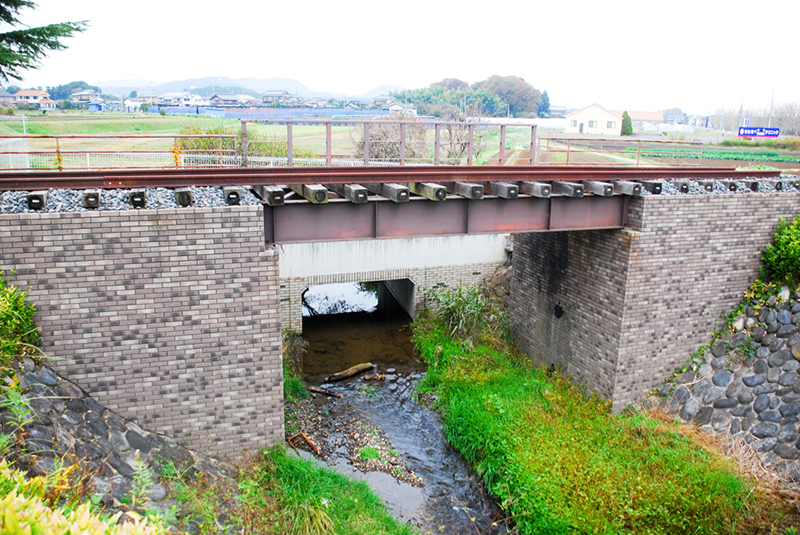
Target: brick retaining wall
[169,317]
[638,301]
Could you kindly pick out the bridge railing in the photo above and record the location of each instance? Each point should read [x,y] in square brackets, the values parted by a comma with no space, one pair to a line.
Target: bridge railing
[619,151]
[88,151]
[370,142]
[338,142]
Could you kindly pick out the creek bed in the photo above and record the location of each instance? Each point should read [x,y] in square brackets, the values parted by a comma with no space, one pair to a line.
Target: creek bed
[378,432]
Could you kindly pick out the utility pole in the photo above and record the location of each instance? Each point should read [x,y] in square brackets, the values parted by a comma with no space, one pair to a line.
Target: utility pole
[771,102]
[741,108]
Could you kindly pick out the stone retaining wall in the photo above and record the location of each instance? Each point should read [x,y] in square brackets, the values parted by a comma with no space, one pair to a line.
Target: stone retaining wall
[636,302]
[747,385]
[168,317]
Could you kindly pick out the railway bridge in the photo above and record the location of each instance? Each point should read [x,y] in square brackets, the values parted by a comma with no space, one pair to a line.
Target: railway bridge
[173,316]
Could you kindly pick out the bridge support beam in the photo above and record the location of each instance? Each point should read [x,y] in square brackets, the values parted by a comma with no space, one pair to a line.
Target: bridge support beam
[620,310]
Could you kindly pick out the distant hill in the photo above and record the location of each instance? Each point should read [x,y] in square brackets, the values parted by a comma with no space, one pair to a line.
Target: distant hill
[223,84]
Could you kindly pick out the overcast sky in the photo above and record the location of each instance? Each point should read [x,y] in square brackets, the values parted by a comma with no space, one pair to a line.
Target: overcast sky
[697,55]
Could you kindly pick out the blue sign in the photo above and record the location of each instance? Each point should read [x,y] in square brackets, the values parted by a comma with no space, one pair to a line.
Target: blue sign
[746,131]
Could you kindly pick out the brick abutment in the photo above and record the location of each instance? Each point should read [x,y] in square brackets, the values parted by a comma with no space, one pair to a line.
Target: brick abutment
[620,310]
[169,318]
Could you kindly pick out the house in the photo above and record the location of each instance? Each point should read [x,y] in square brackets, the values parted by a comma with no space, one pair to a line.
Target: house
[402,110]
[83,96]
[30,96]
[316,102]
[247,100]
[557,112]
[6,98]
[224,100]
[354,105]
[639,118]
[233,100]
[273,97]
[97,104]
[594,119]
[382,102]
[47,104]
[181,98]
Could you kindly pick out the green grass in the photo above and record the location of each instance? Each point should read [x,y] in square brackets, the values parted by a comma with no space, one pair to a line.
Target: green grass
[368,453]
[289,495]
[559,462]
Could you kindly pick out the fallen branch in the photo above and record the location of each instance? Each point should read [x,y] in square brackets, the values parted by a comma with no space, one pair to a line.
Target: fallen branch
[317,390]
[349,372]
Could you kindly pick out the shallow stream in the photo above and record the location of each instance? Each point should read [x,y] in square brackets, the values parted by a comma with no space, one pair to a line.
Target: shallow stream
[416,473]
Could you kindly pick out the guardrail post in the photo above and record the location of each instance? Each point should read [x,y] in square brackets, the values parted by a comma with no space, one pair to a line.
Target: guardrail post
[328,138]
[402,143]
[470,132]
[366,143]
[533,145]
[244,144]
[289,151]
[437,128]
[502,144]
[569,141]
[547,152]
[639,153]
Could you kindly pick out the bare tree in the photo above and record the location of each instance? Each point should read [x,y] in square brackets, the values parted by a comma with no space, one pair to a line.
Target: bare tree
[456,143]
[384,140]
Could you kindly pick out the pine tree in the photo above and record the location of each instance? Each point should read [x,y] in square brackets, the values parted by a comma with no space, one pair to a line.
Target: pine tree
[627,125]
[21,49]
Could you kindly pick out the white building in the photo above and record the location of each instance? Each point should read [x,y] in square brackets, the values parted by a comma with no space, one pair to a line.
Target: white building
[594,119]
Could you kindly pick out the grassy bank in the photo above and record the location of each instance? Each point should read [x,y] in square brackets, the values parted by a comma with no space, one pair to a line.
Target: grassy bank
[288,495]
[556,459]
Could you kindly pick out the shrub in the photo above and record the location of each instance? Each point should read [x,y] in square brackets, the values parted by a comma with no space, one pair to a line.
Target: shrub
[468,315]
[18,332]
[627,125]
[782,257]
[25,510]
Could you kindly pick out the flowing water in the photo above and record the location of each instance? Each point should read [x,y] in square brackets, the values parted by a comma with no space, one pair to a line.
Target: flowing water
[439,493]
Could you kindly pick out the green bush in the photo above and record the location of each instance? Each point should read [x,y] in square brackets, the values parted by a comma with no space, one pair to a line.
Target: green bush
[782,257]
[18,332]
[469,315]
[25,509]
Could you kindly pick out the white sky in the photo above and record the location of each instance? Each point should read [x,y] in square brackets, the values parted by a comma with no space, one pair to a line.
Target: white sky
[697,55]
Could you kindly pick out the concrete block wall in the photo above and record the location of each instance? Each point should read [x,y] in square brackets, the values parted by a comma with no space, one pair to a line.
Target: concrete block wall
[638,301]
[169,317]
[425,278]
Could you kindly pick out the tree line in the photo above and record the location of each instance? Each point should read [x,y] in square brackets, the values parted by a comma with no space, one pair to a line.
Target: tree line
[496,96]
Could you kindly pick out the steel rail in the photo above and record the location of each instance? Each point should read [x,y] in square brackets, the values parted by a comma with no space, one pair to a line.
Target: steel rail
[176,177]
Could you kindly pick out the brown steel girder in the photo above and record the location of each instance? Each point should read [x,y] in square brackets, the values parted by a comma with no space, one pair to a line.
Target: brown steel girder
[297,222]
